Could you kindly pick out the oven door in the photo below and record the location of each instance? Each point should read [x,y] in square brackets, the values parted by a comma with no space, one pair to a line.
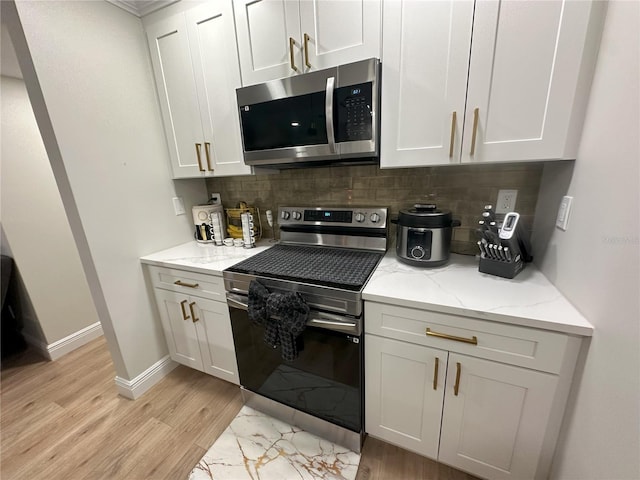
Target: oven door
[324,380]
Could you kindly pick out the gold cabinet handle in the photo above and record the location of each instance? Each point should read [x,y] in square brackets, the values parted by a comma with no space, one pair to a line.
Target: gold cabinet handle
[193,314]
[293,64]
[306,50]
[453,134]
[184,314]
[435,375]
[198,155]
[473,340]
[207,151]
[476,114]
[456,387]
[184,284]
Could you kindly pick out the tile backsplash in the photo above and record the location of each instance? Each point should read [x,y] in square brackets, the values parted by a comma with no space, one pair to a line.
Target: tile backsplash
[463,189]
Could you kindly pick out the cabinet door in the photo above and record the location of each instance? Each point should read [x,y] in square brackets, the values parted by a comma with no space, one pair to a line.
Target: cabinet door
[171,59]
[425,58]
[212,42]
[264,28]
[403,393]
[213,325]
[339,32]
[495,425]
[179,328]
[523,77]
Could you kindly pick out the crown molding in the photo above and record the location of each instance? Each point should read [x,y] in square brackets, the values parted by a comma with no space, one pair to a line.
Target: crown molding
[140,8]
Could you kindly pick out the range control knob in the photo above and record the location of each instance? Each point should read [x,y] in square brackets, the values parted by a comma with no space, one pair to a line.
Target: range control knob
[375,218]
[417,252]
[360,217]
[285,215]
[296,215]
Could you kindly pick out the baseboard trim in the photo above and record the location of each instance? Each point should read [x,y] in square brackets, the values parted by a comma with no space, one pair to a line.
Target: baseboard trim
[68,344]
[133,389]
[73,341]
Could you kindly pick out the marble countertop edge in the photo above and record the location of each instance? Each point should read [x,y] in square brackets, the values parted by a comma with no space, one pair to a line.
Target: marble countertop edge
[583,330]
[457,288]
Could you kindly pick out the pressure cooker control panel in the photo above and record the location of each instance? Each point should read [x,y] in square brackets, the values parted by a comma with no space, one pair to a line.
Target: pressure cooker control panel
[362,217]
[419,244]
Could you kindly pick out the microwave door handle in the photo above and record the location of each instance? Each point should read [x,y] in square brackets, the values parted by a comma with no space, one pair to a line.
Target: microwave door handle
[328,107]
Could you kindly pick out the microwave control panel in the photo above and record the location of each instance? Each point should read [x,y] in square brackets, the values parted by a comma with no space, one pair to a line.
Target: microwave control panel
[354,112]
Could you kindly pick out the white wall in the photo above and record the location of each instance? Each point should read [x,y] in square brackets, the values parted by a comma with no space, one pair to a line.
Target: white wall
[88,73]
[36,225]
[596,263]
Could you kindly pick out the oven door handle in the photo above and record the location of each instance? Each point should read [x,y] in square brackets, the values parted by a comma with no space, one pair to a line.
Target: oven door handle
[234,302]
[317,319]
[330,322]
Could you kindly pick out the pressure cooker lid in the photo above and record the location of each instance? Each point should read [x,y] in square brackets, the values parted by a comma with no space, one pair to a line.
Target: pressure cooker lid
[425,216]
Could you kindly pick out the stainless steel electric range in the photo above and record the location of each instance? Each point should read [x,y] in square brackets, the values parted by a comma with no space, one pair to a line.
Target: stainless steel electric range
[326,255]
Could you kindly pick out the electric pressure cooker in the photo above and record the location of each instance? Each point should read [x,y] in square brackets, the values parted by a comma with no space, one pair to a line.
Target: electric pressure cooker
[423,235]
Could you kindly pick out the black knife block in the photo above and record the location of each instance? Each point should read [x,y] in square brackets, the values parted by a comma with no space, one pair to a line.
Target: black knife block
[501,268]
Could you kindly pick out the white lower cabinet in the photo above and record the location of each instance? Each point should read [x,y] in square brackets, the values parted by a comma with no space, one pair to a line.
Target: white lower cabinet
[428,390]
[197,329]
[404,392]
[494,423]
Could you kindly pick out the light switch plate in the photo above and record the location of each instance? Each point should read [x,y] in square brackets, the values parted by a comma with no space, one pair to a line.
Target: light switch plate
[178,205]
[563,213]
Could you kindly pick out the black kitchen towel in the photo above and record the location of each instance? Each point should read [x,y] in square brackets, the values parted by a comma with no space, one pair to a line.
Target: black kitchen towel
[257,302]
[259,313]
[291,312]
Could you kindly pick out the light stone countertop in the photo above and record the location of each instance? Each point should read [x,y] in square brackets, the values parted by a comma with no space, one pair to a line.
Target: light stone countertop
[456,288]
[459,288]
[203,257]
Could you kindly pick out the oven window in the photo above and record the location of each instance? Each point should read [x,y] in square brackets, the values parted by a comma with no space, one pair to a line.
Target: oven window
[286,122]
[324,380]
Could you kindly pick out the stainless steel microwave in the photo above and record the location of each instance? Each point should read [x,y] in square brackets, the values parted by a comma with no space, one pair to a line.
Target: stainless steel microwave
[331,115]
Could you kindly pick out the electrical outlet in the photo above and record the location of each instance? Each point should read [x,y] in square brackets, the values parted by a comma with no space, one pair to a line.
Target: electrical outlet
[506,201]
[215,199]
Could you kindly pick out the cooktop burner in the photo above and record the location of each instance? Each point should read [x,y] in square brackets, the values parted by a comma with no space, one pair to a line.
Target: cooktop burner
[334,267]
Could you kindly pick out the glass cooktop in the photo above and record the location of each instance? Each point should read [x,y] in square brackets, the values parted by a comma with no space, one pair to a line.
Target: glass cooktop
[334,267]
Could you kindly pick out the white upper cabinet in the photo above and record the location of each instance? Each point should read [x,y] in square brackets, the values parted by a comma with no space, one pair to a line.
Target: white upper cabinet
[280,38]
[523,79]
[425,59]
[196,68]
[339,32]
[264,29]
[525,89]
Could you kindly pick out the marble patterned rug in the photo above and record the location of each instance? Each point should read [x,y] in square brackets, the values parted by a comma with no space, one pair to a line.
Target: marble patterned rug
[258,447]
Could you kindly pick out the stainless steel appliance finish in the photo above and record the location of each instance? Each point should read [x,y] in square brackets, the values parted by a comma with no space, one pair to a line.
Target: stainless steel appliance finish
[309,423]
[322,389]
[331,115]
[423,236]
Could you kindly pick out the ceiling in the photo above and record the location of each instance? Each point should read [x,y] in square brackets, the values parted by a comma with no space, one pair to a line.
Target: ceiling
[140,8]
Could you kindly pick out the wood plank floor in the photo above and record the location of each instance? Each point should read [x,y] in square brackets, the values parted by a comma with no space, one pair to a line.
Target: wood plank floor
[64,420]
